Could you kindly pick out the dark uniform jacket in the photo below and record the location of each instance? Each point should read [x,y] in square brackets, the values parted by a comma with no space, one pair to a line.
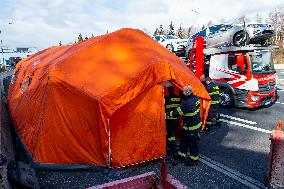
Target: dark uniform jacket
[172,102]
[190,111]
[214,92]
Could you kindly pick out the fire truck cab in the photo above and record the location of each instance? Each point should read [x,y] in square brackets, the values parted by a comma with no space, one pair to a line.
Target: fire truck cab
[245,75]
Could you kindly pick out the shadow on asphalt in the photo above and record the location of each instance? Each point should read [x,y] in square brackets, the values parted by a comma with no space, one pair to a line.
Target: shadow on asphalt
[237,148]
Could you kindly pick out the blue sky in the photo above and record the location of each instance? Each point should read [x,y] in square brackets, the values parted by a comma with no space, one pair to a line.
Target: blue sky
[43,23]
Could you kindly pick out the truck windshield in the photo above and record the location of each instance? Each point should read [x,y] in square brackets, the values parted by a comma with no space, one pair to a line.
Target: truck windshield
[261,61]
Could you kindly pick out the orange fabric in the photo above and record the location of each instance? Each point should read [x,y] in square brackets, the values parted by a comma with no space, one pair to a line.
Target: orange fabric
[143,124]
[79,93]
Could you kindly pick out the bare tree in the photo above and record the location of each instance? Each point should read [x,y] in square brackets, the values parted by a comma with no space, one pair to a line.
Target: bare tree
[258,18]
[161,30]
[276,20]
[190,31]
[241,20]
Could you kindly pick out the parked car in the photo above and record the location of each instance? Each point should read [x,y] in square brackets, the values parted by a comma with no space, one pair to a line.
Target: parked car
[221,35]
[172,43]
[259,32]
[14,60]
[233,34]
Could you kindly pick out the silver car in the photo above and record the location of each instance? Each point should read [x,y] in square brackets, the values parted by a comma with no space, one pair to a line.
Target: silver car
[259,32]
[221,35]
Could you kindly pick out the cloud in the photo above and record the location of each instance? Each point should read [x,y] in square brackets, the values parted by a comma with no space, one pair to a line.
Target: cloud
[43,23]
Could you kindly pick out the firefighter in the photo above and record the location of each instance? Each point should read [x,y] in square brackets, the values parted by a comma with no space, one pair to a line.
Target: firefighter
[214,92]
[190,111]
[172,101]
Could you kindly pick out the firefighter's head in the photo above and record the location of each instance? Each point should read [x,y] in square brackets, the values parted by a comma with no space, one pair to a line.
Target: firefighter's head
[187,90]
[202,78]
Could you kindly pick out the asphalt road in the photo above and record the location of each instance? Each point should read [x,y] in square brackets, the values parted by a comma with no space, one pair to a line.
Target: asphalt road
[233,156]
[242,143]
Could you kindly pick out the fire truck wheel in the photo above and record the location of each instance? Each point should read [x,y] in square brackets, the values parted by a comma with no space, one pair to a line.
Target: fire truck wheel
[226,97]
[170,48]
[241,39]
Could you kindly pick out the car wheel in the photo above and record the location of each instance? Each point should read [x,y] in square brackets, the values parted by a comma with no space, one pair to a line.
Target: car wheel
[226,97]
[241,39]
[170,48]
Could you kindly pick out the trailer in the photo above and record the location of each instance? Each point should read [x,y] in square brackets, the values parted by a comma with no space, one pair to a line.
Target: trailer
[245,75]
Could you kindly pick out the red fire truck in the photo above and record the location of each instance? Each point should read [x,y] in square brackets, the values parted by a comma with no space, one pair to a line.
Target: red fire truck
[245,75]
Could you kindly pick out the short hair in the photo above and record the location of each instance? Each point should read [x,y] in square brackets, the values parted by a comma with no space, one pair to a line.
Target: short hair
[187,89]
[202,78]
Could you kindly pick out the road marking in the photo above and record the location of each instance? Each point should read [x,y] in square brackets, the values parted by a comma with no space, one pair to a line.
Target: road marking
[282,72]
[247,126]
[279,103]
[280,79]
[280,88]
[238,119]
[246,180]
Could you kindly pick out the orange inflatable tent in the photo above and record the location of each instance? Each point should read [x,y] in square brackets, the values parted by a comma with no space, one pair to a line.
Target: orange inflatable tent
[97,102]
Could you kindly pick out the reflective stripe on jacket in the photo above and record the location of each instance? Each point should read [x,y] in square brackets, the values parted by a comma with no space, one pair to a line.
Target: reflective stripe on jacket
[190,111]
[172,102]
[214,92]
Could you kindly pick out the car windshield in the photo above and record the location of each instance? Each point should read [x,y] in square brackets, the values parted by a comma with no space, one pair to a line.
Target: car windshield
[261,61]
[170,37]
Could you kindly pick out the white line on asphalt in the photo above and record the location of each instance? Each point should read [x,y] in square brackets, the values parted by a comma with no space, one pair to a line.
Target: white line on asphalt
[238,119]
[280,90]
[282,72]
[247,126]
[279,103]
[280,79]
[247,181]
